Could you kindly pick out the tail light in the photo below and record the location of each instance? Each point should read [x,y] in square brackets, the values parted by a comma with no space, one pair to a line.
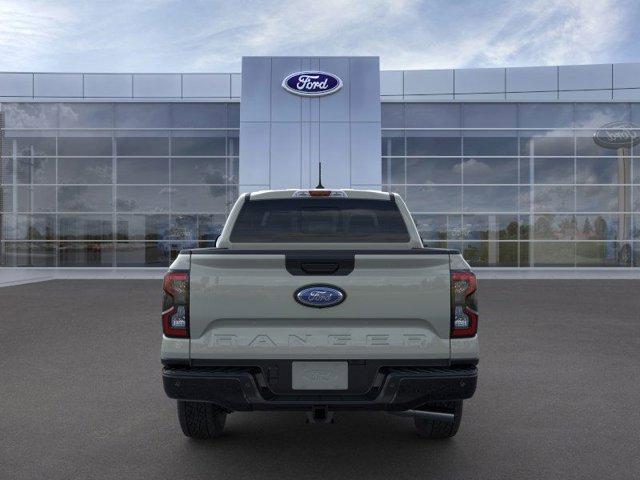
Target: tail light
[175,304]
[464,310]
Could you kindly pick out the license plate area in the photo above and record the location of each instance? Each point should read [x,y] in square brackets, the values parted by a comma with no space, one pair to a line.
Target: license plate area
[319,375]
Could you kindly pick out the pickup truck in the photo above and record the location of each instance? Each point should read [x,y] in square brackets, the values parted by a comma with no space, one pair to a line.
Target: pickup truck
[319,301]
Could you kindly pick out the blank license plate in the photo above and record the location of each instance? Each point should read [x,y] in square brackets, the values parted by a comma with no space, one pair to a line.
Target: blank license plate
[319,375]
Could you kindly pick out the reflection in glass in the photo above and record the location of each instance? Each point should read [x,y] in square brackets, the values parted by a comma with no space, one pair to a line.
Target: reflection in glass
[85,199]
[490,170]
[37,254]
[213,144]
[490,227]
[31,146]
[438,143]
[546,144]
[199,199]
[199,170]
[199,115]
[603,199]
[83,115]
[392,143]
[554,199]
[81,254]
[432,115]
[603,170]
[36,170]
[439,227]
[545,115]
[392,115]
[603,254]
[602,226]
[552,254]
[36,198]
[138,254]
[142,170]
[85,227]
[142,227]
[491,254]
[93,146]
[434,199]
[490,199]
[554,227]
[434,170]
[143,146]
[85,170]
[393,170]
[142,115]
[30,115]
[553,170]
[142,198]
[489,144]
[34,227]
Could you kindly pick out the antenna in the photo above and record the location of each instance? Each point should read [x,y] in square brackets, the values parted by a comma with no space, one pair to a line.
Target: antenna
[319,175]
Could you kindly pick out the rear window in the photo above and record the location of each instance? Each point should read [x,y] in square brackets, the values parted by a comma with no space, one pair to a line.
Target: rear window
[320,220]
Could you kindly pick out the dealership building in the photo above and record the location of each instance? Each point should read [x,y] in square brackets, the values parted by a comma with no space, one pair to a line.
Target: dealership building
[528,167]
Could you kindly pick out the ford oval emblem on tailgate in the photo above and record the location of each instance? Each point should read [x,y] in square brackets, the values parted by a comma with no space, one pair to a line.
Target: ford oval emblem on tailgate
[319,296]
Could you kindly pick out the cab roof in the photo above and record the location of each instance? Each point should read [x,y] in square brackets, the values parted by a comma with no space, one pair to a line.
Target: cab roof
[296,192]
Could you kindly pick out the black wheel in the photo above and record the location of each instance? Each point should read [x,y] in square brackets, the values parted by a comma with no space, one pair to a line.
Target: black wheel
[437,428]
[200,419]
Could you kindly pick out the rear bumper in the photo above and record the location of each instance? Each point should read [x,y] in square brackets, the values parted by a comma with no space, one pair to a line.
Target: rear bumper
[398,388]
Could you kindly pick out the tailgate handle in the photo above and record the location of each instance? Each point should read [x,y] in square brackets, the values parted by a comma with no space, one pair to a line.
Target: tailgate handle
[319,268]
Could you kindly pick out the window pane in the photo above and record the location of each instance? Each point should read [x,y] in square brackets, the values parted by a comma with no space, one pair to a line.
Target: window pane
[85,170]
[199,115]
[491,144]
[37,199]
[553,254]
[85,199]
[39,254]
[554,199]
[392,115]
[598,114]
[553,170]
[143,254]
[393,170]
[30,115]
[199,199]
[438,227]
[29,146]
[143,199]
[554,227]
[433,143]
[545,115]
[142,227]
[490,199]
[36,170]
[434,199]
[142,115]
[199,170]
[90,146]
[143,146]
[233,143]
[636,170]
[142,170]
[488,115]
[603,170]
[211,145]
[6,170]
[93,115]
[490,227]
[85,227]
[603,254]
[585,145]
[546,144]
[392,143]
[434,170]
[35,227]
[432,115]
[80,254]
[603,199]
[233,115]
[201,228]
[603,227]
[491,254]
[6,199]
[490,170]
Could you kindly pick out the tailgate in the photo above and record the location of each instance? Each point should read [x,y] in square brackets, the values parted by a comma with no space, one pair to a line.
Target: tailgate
[243,306]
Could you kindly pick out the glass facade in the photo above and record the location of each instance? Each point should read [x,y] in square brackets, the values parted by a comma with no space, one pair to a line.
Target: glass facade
[128,184]
[517,184]
[114,184]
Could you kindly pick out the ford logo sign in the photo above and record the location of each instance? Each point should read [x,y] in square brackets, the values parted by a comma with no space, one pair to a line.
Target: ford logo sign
[319,296]
[312,84]
[616,135]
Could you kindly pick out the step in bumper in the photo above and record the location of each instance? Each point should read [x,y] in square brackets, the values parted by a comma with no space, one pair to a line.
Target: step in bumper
[238,389]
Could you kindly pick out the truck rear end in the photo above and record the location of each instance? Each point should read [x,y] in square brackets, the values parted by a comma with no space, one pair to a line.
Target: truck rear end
[320,301]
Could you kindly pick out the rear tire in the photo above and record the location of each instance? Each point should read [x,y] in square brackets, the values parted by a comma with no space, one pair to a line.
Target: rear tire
[201,420]
[437,429]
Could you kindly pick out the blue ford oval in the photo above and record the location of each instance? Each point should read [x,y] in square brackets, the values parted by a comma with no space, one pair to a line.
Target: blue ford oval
[312,83]
[319,296]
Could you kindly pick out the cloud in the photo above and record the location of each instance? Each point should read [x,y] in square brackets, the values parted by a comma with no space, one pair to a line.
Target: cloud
[166,35]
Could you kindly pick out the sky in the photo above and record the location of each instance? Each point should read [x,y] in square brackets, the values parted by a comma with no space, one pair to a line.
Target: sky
[212,36]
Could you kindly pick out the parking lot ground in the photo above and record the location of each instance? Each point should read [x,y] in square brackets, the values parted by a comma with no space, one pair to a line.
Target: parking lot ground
[557,397]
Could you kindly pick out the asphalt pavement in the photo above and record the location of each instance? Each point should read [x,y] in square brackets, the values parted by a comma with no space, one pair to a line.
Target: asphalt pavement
[558,395]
